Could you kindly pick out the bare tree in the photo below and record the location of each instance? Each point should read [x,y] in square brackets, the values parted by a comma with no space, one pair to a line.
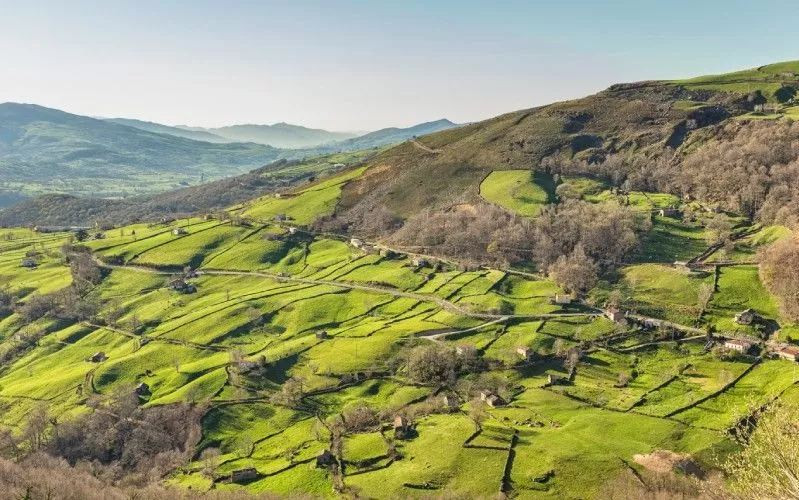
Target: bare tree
[779,270]
[576,272]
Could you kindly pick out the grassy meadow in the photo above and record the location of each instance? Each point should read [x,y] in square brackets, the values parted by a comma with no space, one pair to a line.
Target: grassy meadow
[264,293]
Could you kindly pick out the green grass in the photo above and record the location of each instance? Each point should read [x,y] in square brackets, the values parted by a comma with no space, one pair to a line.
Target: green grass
[661,291]
[303,206]
[637,200]
[767,79]
[745,249]
[581,187]
[515,190]
[764,383]
[740,288]
[670,240]
[192,339]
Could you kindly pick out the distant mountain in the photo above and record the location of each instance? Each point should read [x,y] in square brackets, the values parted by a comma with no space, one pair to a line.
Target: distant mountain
[45,150]
[393,135]
[195,135]
[279,135]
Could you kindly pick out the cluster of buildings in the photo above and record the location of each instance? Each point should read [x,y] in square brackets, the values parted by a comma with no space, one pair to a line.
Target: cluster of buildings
[388,253]
[778,350]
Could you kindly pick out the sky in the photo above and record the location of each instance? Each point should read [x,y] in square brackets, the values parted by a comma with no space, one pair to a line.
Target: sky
[357,65]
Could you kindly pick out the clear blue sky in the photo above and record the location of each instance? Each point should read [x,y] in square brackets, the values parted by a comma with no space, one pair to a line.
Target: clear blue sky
[360,65]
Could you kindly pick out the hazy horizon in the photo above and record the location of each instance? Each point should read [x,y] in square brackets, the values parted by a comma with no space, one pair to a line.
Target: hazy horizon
[357,66]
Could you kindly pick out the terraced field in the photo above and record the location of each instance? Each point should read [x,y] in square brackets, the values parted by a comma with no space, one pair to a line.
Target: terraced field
[262,296]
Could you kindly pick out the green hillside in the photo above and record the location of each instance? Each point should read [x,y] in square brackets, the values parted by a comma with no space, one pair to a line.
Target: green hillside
[542,305]
[69,210]
[244,345]
[768,79]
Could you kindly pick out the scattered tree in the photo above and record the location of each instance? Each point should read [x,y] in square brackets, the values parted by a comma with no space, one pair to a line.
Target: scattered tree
[576,273]
[779,270]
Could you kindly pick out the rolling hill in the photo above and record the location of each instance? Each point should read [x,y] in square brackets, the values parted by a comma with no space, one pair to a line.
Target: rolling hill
[295,344]
[627,133]
[70,210]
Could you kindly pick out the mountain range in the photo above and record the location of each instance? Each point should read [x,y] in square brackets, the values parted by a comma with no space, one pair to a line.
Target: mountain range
[279,135]
[45,150]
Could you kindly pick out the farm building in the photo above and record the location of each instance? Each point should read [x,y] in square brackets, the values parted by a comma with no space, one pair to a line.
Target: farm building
[357,243]
[322,334]
[98,357]
[142,389]
[554,379]
[615,314]
[419,262]
[179,231]
[29,263]
[243,475]
[669,212]
[739,345]
[387,253]
[450,401]
[491,399]
[765,108]
[247,366]
[524,352]
[651,323]
[683,265]
[789,352]
[292,230]
[182,286]
[746,317]
[281,217]
[402,427]
[563,299]
[326,459]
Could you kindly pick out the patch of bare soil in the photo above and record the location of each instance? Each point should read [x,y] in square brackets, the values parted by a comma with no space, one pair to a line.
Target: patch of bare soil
[666,461]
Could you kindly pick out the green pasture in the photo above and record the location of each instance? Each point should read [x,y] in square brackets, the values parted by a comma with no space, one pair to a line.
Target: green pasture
[304,206]
[515,190]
